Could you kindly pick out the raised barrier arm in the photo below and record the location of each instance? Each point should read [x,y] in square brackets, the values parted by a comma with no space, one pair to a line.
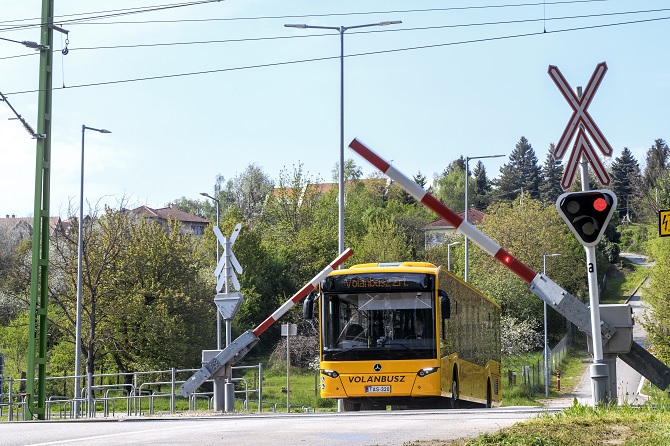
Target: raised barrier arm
[241,346]
[540,285]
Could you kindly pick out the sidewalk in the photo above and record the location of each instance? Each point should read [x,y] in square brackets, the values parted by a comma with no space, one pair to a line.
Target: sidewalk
[582,393]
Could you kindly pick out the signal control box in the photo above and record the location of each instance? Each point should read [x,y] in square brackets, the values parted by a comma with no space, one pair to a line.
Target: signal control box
[620,317]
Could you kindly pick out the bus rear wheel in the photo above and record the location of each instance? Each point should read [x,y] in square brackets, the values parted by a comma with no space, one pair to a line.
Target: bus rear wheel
[455,403]
[489,396]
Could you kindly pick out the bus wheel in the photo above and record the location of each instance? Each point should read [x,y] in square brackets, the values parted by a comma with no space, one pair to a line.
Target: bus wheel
[455,403]
[489,402]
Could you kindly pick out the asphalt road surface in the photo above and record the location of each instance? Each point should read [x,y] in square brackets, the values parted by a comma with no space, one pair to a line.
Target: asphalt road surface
[362,428]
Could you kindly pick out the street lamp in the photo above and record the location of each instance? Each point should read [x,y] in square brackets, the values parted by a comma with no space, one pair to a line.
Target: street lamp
[546,344]
[77,347]
[218,315]
[449,245]
[467,205]
[341,30]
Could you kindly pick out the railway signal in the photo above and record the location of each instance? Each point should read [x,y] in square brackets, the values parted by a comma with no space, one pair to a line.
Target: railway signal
[587,213]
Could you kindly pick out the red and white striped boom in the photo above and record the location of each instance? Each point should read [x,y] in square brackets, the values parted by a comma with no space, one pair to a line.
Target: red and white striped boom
[462,226]
[241,346]
[543,287]
[303,292]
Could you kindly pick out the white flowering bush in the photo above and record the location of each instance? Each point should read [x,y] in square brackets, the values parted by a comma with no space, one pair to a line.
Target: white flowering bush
[518,336]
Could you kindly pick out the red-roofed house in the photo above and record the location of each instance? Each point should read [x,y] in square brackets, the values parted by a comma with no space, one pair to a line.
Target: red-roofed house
[18,228]
[440,231]
[190,224]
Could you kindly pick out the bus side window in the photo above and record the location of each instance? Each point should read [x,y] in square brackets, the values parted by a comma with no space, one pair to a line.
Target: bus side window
[445,303]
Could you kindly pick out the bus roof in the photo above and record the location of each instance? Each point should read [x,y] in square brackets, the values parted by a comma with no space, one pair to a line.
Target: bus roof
[408,267]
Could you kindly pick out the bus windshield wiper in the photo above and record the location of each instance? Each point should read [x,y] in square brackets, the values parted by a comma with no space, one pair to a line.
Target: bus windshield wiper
[403,345]
[350,349]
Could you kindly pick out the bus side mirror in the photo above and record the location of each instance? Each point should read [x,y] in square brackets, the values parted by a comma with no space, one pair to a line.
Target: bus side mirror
[445,303]
[308,306]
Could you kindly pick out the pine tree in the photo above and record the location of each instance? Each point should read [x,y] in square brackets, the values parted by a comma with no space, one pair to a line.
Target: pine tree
[522,173]
[552,174]
[625,173]
[657,164]
[420,179]
[481,198]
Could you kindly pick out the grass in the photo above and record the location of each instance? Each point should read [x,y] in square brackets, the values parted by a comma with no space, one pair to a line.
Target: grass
[622,281]
[571,369]
[304,389]
[582,425]
[648,425]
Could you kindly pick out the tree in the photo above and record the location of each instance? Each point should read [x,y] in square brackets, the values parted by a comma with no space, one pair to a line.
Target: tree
[195,207]
[528,230]
[420,179]
[657,164]
[103,242]
[552,175]
[396,192]
[384,242]
[656,296]
[521,173]
[450,188]
[482,187]
[249,191]
[14,343]
[159,298]
[625,173]
[653,184]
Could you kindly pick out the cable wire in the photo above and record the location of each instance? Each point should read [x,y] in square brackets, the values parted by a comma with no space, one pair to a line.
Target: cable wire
[395,50]
[129,11]
[83,20]
[424,28]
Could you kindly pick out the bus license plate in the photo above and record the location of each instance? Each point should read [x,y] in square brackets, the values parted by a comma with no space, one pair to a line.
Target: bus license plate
[377,389]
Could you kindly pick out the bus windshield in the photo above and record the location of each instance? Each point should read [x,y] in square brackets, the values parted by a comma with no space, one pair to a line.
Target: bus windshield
[378,325]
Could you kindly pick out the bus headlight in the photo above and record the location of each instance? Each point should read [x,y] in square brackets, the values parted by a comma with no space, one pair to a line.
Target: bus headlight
[426,371]
[331,373]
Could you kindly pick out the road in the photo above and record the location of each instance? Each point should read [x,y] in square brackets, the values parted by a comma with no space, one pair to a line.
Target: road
[362,428]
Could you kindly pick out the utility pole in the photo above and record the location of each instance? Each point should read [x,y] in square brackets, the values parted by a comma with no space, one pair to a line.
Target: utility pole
[37,334]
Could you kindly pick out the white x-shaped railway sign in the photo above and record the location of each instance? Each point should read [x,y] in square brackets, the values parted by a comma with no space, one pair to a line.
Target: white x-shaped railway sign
[583,147]
[227,259]
[581,119]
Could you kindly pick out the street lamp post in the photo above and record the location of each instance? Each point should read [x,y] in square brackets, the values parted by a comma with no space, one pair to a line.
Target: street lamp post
[449,245]
[546,344]
[218,315]
[341,30]
[77,347]
[467,205]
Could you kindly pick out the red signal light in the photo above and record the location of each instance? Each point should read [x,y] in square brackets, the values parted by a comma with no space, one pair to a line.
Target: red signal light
[600,204]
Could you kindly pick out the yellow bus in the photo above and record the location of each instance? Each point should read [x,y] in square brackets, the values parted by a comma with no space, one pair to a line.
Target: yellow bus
[408,335]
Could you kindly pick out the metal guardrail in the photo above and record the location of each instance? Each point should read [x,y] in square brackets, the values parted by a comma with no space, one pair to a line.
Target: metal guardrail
[143,386]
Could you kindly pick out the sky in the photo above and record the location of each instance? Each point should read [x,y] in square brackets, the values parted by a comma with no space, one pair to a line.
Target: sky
[455,78]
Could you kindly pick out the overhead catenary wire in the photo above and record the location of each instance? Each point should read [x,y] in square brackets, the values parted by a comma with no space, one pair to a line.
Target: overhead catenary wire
[113,13]
[344,14]
[423,28]
[369,53]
